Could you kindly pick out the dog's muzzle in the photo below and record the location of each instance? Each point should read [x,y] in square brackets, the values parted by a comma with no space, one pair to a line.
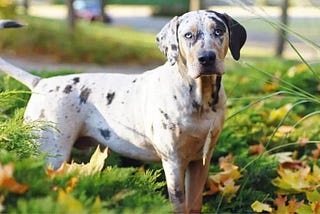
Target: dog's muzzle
[207,60]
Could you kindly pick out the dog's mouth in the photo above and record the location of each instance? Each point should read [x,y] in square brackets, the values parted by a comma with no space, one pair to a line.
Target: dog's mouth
[208,71]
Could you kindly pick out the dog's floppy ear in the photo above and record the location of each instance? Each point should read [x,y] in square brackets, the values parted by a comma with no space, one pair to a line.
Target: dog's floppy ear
[237,36]
[167,40]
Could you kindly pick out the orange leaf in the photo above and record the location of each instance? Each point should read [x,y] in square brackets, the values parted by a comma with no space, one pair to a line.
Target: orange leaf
[8,182]
[280,202]
[214,187]
[257,149]
[225,163]
[294,205]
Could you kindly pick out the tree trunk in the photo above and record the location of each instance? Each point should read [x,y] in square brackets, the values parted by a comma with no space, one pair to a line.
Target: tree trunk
[195,5]
[71,15]
[101,10]
[282,32]
[26,6]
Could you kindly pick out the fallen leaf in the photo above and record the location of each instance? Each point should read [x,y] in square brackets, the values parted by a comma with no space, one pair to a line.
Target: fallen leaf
[277,115]
[270,86]
[294,205]
[283,157]
[69,203]
[257,149]
[225,163]
[316,152]
[261,207]
[224,182]
[229,189]
[72,183]
[293,181]
[7,181]
[285,129]
[280,202]
[97,206]
[213,187]
[94,166]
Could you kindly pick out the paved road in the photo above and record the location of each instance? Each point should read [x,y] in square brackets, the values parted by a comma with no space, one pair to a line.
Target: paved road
[140,18]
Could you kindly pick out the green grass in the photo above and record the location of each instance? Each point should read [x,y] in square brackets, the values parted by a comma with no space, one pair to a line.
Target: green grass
[263,95]
[90,42]
[244,85]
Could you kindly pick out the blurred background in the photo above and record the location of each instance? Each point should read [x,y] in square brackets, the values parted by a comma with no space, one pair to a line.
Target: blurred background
[121,32]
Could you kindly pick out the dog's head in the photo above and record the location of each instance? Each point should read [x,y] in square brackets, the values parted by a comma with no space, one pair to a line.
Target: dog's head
[200,40]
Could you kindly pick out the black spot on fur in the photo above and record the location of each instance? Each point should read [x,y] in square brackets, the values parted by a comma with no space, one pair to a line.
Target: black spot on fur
[175,97]
[172,126]
[105,133]
[85,92]
[215,93]
[57,88]
[176,196]
[166,116]
[51,90]
[67,89]
[174,47]
[42,115]
[164,125]
[135,80]
[76,80]
[196,105]
[190,88]
[110,97]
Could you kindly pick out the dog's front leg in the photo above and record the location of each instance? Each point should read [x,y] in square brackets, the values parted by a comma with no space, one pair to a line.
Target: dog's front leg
[196,176]
[175,172]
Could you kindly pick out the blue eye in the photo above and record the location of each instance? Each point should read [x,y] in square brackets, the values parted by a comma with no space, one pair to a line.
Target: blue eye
[188,35]
[218,32]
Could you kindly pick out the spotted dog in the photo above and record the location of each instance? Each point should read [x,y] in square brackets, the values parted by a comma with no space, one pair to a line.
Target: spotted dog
[173,114]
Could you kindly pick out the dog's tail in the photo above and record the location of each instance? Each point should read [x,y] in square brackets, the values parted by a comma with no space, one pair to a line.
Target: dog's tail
[22,76]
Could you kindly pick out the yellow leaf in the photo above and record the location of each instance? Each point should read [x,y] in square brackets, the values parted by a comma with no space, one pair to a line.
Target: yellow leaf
[229,189]
[95,165]
[261,207]
[72,183]
[293,181]
[270,86]
[297,69]
[276,115]
[97,206]
[69,203]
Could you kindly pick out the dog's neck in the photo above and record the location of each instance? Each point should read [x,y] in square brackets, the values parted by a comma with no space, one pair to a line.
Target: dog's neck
[204,90]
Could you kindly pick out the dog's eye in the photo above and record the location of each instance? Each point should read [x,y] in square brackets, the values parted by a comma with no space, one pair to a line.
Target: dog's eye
[188,35]
[218,32]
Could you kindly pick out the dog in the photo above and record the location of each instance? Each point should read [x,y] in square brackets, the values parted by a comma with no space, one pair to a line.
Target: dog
[173,113]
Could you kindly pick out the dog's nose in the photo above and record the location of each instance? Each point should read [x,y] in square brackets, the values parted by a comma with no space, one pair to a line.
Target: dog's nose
[207,57]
